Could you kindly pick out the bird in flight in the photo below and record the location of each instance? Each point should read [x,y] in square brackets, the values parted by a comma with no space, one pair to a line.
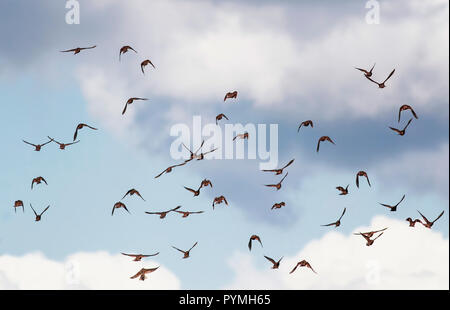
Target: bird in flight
[220,116]
[367,74]
[338,222]
[252,238]
[130,101]
[132,192]
[169,169]
[403,131]
[185,253]
[302,263]
[371,233]
[206,183]
[412,223]
[163,214]
[125,49]
[427,223]
[306,124]
[18,204]
[193,154]
[78,49]
[361,174]
[219,200]
[278,185]
[145,63]
[187,213]
[394,207]
[138,257]
[119,205]
[38,216]
[344,191]
[370,241]
[141,273]
[241,136]
[201,156]
[322,139]
[195,192]
[62,146]
[37,147]
[404,108]
[280,171]
[231,95]
[38,180]
[81,126]
[276,265]
[278,205]
[382,84]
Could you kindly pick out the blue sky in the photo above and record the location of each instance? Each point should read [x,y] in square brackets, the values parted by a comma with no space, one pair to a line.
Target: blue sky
[286,70]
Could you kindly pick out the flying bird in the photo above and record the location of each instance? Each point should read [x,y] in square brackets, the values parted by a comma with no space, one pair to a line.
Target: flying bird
[195,192]
[193,154]
[338,222]
[306,124]
[130,101]
[241,136]
[394,207]
[206,183]
[78,49]
[201,156]
[125,49]
[163,214]
[187,213]
[38,180]
[322,139]
[367,74]
[185,253]
[278,205]
[81,126]
[371,233]
[169,169]
[382,85]
[230,95]
[370,241]
[280,171]
[141,273]
[427,223]
[413,223]
[132,192]
[220,116]
[278,185]
[18,204]
[252,238]
[37,147]
[404,108]
[138,257]
[361,174]
[403,131]
[119,205]
[145,63]
[276,265]
[344,191]
[302,263]
[38,216]
[219,200]
[62,146]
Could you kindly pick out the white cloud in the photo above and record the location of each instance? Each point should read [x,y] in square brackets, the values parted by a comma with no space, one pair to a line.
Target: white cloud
[96,270]
[403,258]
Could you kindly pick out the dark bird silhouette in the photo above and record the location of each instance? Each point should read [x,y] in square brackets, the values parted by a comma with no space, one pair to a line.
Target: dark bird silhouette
[362,174]
[404,108]
[403,131]
[370,241]
[145,63]
[230,95]
[169,169]
[278,205]
[338,222]
[220,116]
[219,200]
[344,191]
[141,273]
[130,101]
[138,257]
[382,84]
[81,126]
[163,214]
[371,233]
[62,146]
[185,253]
[322,139]
[241,136]
[132,192]
[252,238]
[18,204]
[413,223]
[119,205]
[276,265]
[394,207]
[280,171]
[306,124]
[367,74]
[38,216]
[193,155]
[38,180]
[302,263]
[37,147]
[187,213]
[78,49]
[124,49]
[195,192]
[206,183]
[427,223]
[278,185]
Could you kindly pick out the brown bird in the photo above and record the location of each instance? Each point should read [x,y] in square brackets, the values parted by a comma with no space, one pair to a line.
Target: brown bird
[187,213]
[280,171]
[145,63]
[344,191]
[141,274]
[130,101]
[37,147]
[427,223]
[306,124]
[367,74]
[164,213]
[138,257]
[219,200]
[193,154]
[382,85]
[241,136]
[394,207]
[404,108]
[81,126]
[125,49]
[118,205]
[38,180]
[370,241]
[361,174]
[413,223]
[302,263]
[201,156]
[219,117]
[403,131]
[206,183]
[38,216]
[278,205]
[252,238]
[169,169]
[195,192]
[275,264]
[321,139]
[230,95]
[131,192]
[185,253]
[338,222]
[78,49]
[62,146]
[371,233]
[278,185]
[18,204]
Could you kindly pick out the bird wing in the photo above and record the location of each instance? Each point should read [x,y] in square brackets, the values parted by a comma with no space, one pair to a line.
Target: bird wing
[270,260]
[389,76]
[29,143]
[442,213]
[137,274]
[45,210]
[318,145]
[33,210]
[343,212]
[409,122]
[178,249]
[190,189]
[124,109]
[193,246]
[288,164]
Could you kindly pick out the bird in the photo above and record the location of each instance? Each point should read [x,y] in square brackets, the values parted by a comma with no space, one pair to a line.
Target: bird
[361,174]
[38,216]
[138,257]
[130,101]
[278,185]
[230,95]
[201,156]
[195,192]
[302,263]
[394,207]
[322,139]
[78,49]
[252,238]
[241,136]
[276,265]
[145,63]
[306,124]
[185,253]
[81,126]
[125,49]
[220,116]
[193,154]
[280,171]
[169,169]
[141,273]
[370,241]
[427,223]
[413,223]
[62,146]
[206,183]
[38,180]
[131,192]
[219,200]
[278,205]
[187,213]
[18,204]
[338,222]
[403,131]
[382,85]
[163,214]
[371,233]
[118,205]
[367,74]
[344,191]
[404,108]
[37,147]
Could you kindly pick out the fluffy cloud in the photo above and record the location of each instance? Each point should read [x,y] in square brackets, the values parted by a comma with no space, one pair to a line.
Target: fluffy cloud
[403,258]
[98,270]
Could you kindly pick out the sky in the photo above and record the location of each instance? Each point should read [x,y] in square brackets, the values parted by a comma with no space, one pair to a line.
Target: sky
[289,61]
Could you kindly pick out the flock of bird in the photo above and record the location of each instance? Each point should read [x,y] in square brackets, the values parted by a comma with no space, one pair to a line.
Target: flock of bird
[369,237]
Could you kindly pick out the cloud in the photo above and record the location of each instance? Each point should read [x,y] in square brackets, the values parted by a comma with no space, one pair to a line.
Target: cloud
[403,258]
[94,270]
